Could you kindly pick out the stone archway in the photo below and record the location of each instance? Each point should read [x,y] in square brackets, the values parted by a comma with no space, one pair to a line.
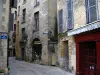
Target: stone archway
[36,49]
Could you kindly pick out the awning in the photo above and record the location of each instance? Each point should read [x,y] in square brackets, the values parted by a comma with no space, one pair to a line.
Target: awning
[91,26]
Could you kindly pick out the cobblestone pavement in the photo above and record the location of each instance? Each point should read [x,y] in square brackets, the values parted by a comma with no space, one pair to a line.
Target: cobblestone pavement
[25,68]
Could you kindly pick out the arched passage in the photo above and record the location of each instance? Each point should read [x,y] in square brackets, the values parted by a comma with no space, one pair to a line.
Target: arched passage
[36,49]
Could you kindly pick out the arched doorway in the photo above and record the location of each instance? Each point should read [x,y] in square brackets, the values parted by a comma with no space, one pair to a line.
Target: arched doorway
[36,49]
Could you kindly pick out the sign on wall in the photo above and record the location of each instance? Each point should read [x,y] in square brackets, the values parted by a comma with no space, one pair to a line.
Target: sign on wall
[3,36]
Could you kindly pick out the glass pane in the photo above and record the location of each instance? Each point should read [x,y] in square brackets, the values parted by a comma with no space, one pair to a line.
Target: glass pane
[70,14]
[70,22]
[92,2]
[86,3]
[85,65]
[93,14]
[69,4]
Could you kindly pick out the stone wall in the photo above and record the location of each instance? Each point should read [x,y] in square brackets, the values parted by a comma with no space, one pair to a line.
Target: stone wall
[79,13]
[30,27]
[72,53]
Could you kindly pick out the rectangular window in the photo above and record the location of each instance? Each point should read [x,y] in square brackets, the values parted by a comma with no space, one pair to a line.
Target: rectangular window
[61,21]
[18,10]
[4,1]
[37,2]
[91,10]
[14,27]
[70,14]
[24,1]
[24,16]
[15,15]
[23,30]
[36,18]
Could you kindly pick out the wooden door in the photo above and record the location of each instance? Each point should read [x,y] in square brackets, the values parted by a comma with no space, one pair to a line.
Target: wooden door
[89,58]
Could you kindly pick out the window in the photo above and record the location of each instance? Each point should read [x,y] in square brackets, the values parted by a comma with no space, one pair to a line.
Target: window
[36,18]
[18,10]
[4,1]
[13,3]
[23,31]
[3,18]
[91,10]
[15,15]
[4,10]
[24,1]
[24,15]
[61,21]
[37,2]
[14,27]
[70,14]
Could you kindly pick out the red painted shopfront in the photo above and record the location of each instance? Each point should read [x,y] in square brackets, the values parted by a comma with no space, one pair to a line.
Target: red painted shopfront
[88,53]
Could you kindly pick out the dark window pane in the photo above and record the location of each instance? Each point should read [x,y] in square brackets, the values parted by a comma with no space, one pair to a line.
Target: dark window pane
[69,4]
[70,14]
[92,2]
[86,3]
[70,24]
[93,14]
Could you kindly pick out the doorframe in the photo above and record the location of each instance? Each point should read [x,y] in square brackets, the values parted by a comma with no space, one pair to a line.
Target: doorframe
[89,36]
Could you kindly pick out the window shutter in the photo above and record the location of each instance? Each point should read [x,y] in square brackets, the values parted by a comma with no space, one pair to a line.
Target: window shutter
[70,15]
[60,21]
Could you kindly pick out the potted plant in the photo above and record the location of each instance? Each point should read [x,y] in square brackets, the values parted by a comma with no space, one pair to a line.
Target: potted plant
[1,72]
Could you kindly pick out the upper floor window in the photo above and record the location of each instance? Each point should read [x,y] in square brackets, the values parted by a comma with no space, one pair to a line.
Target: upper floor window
[23,31]
[37,2]
[91,10]
[15,15]
[24,1]
[24,16]
[4,1]
[60,21]
[18,10]
[70,14]
[14,27]
[13,3]
[36,18]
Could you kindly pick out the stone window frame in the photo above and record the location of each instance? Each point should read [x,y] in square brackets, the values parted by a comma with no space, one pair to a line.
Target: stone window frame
[88,7]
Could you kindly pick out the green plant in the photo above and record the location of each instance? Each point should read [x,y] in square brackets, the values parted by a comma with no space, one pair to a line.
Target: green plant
[1,71]
[8,68]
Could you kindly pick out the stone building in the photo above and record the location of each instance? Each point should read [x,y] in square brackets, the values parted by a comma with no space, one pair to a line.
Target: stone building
[66,49]
[12,27]
[37,25]
[4,18]
[80,25]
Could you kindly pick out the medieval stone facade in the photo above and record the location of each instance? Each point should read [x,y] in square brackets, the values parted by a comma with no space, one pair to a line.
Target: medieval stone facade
[73,22]
[4,15]
[39,23]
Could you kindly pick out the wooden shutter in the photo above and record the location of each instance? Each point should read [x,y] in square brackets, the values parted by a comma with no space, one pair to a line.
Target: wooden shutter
[60,21]
[70,15]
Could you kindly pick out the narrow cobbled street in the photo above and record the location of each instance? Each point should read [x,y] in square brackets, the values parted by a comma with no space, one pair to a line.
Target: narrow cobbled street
[25,68]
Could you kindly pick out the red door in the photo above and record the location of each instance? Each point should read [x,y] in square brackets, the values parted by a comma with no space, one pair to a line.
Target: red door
[89,58]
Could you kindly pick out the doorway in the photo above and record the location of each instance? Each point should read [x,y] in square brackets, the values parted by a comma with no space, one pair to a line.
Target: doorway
[88,58]
[66,55]
[36,49]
